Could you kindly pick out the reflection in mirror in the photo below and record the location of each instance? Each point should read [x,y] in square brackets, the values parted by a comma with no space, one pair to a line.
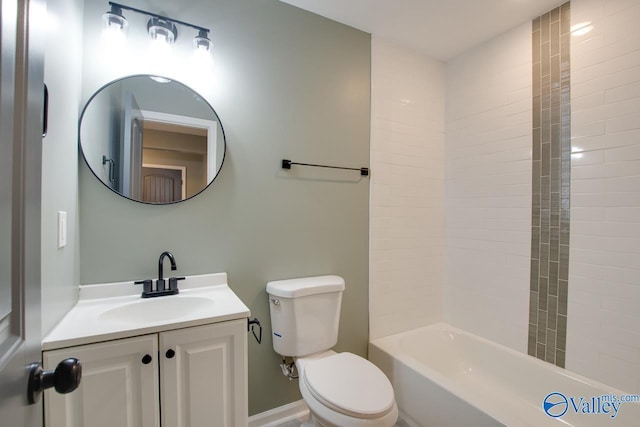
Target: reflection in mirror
[151,139]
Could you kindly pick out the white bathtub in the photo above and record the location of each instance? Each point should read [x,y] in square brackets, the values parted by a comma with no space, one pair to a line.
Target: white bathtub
[443,376]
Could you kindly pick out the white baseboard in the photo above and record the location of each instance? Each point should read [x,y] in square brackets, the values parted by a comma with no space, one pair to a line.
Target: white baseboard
[293,411]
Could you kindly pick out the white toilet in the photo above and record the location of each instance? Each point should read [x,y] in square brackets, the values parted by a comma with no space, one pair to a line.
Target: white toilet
[340,389]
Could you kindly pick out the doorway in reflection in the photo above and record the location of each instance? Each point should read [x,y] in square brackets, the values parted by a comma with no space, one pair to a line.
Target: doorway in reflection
[174,162]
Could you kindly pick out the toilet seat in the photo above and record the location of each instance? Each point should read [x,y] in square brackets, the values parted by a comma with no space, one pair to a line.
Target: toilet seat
[350,385]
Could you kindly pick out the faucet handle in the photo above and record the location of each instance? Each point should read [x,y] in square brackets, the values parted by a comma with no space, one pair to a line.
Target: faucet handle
[173,283]
[147,285]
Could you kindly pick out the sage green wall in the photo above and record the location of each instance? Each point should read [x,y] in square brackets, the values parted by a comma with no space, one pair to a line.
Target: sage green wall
[60,269]
[294,86]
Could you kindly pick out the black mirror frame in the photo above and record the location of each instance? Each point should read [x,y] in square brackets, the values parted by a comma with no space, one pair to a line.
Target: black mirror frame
[84,108]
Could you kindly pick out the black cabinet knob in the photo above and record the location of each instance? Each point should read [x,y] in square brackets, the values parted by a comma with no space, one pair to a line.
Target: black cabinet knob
[146,359]
[170,353]
[65,378]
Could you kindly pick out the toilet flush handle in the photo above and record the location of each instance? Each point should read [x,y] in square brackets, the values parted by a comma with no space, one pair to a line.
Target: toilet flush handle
[274,301]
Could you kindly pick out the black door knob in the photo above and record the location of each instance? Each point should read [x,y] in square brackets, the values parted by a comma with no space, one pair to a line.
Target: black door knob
[170,353]
[65,378]
[146,359]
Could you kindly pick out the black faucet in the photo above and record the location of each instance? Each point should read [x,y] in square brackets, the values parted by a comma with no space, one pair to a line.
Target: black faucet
[160,288]
[160,283]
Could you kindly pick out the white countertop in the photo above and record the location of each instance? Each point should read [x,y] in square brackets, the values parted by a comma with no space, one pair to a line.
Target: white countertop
[116,310]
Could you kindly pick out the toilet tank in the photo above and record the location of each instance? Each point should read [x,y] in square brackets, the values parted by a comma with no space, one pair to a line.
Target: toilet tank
[305,314]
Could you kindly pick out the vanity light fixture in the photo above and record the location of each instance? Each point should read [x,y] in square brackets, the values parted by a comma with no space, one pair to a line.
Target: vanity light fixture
[160,28]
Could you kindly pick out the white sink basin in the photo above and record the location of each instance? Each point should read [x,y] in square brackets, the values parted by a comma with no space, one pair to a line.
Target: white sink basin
[158,309]
[111,311]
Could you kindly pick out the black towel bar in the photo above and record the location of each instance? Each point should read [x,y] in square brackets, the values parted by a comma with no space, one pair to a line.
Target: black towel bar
[286,164]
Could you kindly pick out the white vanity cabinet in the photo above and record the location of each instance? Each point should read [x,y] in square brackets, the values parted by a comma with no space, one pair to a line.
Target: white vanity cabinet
[204,380]
[117,388]
[188,377]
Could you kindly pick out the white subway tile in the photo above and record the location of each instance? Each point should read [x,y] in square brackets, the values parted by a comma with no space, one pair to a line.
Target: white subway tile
[622,62]
[622,108]
[588,101]
[627,184]
[587,213]
[603,141]
[611,229]
[621,244]
[407,189]
[587,158]
[622,214]
[617,275]
[624,92]
[587,73]
[605,170]
[607,217]
[589,186]
[488,187]
[624,123]
[612,7]
[591,44]
[579,269]
[587,242]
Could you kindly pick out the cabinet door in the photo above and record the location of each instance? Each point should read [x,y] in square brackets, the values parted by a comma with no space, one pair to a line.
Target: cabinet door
[204,376]
[119,386]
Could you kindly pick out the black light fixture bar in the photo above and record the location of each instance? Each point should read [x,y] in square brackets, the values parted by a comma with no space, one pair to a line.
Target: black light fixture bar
[155,15]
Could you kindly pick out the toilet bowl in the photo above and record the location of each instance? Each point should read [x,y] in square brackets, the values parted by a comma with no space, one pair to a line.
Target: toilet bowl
[340,389]
[345,390]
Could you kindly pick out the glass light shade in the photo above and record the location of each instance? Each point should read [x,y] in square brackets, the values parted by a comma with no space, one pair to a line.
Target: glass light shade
[114,31]
[114,20]
[162,30]
[201,42]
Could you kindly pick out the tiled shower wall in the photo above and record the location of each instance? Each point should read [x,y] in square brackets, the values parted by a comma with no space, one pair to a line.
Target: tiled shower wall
[407,189]
[488,189]
[488,164]
[551,191]
[603,333]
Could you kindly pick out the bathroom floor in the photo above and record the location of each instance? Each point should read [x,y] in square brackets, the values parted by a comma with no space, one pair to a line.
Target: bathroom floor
[290,424]
[297,423]
[303,416]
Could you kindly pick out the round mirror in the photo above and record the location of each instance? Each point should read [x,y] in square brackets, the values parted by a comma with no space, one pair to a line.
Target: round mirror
[151,139]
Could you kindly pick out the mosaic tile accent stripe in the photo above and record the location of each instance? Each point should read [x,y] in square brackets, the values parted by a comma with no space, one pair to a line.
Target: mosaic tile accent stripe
[551,186]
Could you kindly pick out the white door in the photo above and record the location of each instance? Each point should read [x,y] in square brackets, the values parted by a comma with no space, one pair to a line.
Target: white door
[119,385]
[204,376]
[21,102]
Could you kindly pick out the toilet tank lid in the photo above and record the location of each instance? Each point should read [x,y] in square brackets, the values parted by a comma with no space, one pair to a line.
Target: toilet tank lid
[292,288]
